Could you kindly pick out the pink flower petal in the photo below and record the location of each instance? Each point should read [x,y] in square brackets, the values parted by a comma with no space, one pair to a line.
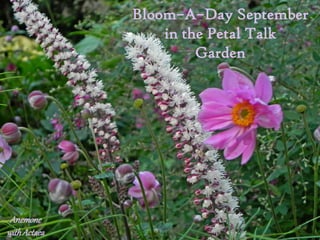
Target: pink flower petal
[135,191]
[235,81]
[216,95]
[263,88]
[269,116]
[234,150]
[248,151]
[222,139]
[214,117]
[148,180]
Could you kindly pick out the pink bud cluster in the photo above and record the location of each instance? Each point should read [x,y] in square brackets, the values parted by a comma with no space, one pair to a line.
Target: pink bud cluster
[180,109]
[87,89]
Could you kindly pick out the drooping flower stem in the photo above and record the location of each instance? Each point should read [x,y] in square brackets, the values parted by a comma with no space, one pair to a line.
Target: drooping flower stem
[146,206]
[315,193]
[268,191]
[110,203]
[77,220]
[71,126]
[290,178]
[315,151]
[163,175]
[42,146]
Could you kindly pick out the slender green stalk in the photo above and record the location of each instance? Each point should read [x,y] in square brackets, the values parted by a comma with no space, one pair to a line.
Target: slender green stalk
[41,145]
[163,175]
[109,200]
[106,187]
[315,154]
[268,190]
[147,207]
[77,220]
[67,118]
[290,178]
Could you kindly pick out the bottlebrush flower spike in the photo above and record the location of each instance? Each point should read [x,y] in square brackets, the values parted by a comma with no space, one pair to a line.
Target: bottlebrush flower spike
[237,110]
[87,89]
[181,115]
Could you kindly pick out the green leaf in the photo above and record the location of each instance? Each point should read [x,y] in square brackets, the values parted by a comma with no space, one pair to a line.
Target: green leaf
[316,56]
[276,173]
[88,44]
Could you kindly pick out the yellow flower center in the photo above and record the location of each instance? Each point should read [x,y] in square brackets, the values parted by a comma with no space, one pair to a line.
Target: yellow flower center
[243,114]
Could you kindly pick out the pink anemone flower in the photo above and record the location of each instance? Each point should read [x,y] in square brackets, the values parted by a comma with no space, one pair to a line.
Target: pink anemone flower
[236,111]
[151,189]
[5,151]
[70,151]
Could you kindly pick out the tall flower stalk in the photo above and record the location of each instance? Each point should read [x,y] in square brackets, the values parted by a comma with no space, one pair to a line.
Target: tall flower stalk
[87,89]
[180,110]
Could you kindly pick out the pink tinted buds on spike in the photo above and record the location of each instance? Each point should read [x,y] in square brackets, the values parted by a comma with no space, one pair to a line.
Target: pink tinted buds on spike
[37,100]
[124,174]
[59,190]
[11,132]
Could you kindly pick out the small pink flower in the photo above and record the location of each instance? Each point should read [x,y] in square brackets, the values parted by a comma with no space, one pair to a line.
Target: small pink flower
[236,111]
[11,133]
[70,151]
[138,93]
[174,48]
[5,151]
[37,100]
[11,67]
[59,190]
[151,188]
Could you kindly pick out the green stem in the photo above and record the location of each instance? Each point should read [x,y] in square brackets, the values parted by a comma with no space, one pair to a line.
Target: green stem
[315,151]
[266,185]
[147,206]
[77,220]
[162,165]
[109,200]
[315,195]
[41,145]
[79,143]
[290,178]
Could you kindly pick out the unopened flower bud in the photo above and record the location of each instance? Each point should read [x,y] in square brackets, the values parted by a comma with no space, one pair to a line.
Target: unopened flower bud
[64,210]
[64,166]
[221,67]
[197,218]
[301,108]
[174,48]
[59,190]
[37,100]
[124,174]
[138,103]
[316,134]
[11,132]
[76,184]
[127,204]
